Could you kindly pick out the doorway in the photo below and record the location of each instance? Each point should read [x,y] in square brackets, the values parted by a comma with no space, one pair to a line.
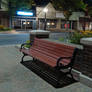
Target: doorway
[23,24]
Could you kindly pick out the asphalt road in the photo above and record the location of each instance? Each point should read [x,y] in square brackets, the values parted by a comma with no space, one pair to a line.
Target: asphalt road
[10,39]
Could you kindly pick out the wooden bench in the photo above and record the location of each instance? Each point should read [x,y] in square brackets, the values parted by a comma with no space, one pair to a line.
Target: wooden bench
[58,56]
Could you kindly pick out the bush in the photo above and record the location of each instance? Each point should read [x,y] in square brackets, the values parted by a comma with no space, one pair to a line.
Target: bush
[3,28]
[78,35]
[61,39]
[28,44]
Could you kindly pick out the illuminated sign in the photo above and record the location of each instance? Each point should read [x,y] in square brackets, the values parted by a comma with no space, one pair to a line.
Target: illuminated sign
[25,13]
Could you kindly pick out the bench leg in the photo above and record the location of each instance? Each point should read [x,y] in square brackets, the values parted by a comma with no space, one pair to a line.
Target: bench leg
[22,59]
[70,73]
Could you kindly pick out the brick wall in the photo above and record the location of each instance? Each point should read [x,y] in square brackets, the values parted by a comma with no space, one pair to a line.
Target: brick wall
[78,60]
[87,61]
[83,61]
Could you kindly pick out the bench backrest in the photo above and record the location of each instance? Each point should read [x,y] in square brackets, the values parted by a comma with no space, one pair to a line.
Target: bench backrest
[57,49]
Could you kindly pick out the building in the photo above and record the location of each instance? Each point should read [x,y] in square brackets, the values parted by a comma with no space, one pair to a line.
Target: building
[53,19]
[4,18]
[56,20]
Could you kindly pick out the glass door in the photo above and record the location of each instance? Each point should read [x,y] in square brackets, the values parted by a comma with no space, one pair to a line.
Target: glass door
[23,23]
[26,24]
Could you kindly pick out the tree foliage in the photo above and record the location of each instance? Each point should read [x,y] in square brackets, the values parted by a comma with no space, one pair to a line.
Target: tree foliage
[89,9]
[15,5]
[68,6]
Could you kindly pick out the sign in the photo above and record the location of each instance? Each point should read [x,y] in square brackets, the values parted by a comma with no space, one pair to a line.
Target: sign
[24,13]
[60,15]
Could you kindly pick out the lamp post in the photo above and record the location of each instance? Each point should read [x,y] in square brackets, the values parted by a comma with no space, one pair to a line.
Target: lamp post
[45,11]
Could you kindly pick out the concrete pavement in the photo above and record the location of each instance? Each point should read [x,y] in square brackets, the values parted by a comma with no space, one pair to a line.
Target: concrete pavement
[14,77]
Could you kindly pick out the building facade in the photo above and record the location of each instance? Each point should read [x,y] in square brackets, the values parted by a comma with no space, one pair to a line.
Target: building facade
[56,20]
[24,22]
[4,17]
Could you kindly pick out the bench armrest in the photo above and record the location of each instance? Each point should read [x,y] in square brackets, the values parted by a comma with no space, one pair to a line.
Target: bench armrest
[22,45]
[60,58]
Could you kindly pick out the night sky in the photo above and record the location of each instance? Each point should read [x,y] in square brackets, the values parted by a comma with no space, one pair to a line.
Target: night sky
[89,2]
[44,2]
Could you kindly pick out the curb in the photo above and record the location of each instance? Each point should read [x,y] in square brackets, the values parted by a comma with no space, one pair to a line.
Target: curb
[82,78]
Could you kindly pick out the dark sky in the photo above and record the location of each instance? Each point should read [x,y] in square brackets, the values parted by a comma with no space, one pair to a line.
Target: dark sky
[89,2]
[44,2]
[41,2]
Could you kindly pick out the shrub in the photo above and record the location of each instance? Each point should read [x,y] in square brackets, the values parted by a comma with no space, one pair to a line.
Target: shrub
[28,44]
[1,27]
[78,35]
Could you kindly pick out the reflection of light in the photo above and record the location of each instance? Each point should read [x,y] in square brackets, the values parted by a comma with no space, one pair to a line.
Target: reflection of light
[25,13]
[48,23]
[28,22]
[53,23]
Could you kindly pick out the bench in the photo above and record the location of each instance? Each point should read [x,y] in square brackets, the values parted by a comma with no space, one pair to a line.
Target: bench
[58,56]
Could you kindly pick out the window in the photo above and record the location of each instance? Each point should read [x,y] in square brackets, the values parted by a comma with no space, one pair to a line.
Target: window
[51,23]
[69,24]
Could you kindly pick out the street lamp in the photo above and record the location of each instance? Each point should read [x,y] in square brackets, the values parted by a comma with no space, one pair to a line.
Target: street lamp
[45,11]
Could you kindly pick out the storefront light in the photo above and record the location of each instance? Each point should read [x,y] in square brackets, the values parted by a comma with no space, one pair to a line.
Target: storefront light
[24,23]
[52,23]
[28,22]
[24,13]
[48,24]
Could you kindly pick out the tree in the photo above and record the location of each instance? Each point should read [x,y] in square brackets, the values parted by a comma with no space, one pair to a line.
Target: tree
[15,5]
[68,6]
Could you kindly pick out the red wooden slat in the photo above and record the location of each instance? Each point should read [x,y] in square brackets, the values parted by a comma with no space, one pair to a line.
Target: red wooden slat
[49,52]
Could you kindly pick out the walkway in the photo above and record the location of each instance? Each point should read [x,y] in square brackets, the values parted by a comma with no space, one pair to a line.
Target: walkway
[14,77]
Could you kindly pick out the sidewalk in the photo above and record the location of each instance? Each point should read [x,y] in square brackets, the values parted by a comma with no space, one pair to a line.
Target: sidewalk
[14,77]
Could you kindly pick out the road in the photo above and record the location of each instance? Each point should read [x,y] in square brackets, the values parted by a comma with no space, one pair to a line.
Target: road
[10,39]
[7,39]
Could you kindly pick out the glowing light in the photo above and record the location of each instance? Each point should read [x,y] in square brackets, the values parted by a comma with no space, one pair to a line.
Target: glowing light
[24,13]
[28,22]
[24,23]
[45,10]
[48,23]
[53,23]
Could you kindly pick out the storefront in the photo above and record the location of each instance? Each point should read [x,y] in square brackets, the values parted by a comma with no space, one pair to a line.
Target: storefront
[4,18]
[24,20]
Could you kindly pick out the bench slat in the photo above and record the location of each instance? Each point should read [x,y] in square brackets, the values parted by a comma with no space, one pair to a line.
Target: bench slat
[49,52]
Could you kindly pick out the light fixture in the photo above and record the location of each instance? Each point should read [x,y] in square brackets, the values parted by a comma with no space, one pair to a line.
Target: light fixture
[48,23]
[28,22]
[45,10]
[24,13]
[24,23]
[52,23]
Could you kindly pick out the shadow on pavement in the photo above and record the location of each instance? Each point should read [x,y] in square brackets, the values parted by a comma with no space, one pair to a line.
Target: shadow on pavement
[48,74]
